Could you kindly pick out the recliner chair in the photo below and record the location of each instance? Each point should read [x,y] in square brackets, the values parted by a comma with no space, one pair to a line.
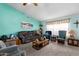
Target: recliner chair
[62,37]
[48,34]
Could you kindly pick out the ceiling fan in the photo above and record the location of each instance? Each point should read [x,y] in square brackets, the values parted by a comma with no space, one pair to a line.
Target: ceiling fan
[35,4]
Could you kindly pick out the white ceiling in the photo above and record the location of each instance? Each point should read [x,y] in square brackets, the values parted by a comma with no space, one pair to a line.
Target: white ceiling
[48,11]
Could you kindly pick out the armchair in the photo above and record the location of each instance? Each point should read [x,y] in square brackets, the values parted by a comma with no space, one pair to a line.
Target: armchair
[48,34]
[62,37]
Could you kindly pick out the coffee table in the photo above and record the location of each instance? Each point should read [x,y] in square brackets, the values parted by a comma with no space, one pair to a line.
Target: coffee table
[38,45]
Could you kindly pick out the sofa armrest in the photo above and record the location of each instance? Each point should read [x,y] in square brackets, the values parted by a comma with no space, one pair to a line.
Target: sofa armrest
[9,50]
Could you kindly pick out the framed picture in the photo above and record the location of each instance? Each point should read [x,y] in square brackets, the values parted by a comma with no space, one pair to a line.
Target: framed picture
[26,25]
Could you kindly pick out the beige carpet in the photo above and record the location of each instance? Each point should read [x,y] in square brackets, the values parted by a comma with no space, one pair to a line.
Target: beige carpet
[53,49]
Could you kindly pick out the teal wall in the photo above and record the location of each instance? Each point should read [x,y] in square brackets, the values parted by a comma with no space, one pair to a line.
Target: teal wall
[73,26]
[10,20]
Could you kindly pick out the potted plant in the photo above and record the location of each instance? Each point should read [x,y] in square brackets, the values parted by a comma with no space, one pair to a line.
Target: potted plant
[40,29]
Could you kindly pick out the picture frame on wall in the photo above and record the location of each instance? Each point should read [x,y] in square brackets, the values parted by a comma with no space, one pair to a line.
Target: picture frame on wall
[26,25]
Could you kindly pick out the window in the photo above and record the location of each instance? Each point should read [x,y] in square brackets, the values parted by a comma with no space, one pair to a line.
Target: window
[56,27]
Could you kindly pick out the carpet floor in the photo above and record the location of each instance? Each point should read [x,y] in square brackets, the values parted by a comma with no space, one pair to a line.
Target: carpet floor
[52,49]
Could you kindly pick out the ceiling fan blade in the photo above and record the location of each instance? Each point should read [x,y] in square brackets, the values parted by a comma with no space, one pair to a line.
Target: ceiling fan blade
[24,4]
[35,4]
